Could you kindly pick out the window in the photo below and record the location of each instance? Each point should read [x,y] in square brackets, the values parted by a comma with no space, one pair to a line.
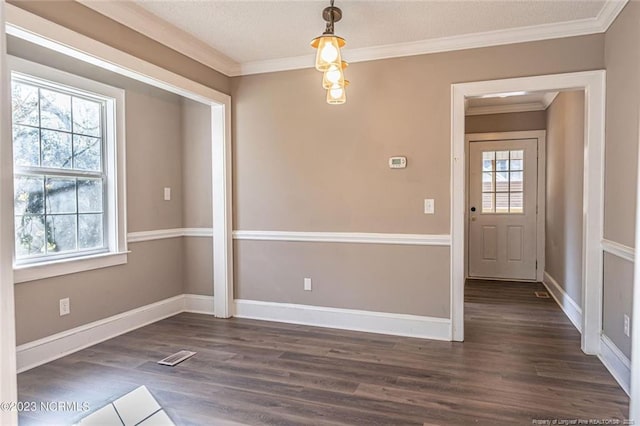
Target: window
[59,177]
[68,177]
[503,181]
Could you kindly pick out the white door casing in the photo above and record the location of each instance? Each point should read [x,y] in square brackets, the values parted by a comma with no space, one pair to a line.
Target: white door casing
[503,187]
[8,386]
[594,85]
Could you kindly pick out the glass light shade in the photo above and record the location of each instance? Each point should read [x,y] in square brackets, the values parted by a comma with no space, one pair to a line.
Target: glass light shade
[328,51]
[336,95]
[334,76]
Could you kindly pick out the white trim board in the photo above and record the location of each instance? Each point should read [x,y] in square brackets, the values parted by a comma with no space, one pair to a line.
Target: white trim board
[168,34]
[8,385]
[593,83]
[346,319]
[330,237]
[542,105]
[345,237]
[620,250]
[505,109]
[41,351]
[634,403]
[569,306]
[160,234]
[616,362]
[199,304]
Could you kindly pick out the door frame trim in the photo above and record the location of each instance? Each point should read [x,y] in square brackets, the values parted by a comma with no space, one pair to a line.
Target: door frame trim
[541,136]
[594,85]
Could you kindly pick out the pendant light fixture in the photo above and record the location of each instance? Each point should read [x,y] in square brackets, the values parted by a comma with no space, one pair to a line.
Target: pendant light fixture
[329,58]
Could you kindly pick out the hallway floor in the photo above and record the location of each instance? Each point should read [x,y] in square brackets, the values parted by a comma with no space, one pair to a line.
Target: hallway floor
[521,361]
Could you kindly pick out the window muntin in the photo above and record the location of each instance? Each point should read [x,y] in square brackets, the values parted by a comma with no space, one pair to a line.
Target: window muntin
[503,182]
[59,171]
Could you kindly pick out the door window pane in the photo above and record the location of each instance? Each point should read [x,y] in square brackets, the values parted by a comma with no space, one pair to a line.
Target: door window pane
[502,202]
[487,203]
[503,186]
[487,182]
[516,202]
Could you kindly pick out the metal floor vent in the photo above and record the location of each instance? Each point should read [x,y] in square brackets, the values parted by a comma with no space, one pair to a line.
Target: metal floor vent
[542,295]
[176,358]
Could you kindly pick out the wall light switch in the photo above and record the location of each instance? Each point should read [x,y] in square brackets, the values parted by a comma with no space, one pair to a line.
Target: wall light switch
[65,306]
[307,284]
[429,206]
[167,194]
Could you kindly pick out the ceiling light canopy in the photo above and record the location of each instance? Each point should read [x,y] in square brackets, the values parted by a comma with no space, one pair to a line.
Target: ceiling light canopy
[329,58]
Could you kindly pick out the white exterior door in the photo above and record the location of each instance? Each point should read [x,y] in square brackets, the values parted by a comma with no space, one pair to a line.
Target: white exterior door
[503,180]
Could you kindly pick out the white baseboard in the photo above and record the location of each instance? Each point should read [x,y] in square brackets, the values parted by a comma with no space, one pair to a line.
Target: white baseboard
[198,304]
[571,309]
[41,351]
[346,319]
[50,348]
[616,362]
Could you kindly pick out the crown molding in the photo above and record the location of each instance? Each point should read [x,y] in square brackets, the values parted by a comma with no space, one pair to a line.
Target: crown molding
[146,23]
[609,13]
[548,99]
[504,109]
[510,108]
[600,24]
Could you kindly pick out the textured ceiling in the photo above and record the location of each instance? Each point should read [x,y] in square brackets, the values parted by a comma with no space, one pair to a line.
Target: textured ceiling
[259,30]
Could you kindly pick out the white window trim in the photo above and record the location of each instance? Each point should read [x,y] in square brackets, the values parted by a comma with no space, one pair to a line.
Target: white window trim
[116,179]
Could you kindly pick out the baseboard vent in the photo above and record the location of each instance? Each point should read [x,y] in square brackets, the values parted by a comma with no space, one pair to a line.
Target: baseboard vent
[542,295]
[176,358]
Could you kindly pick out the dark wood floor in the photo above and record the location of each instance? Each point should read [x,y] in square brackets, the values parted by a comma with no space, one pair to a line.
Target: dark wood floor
[521,361]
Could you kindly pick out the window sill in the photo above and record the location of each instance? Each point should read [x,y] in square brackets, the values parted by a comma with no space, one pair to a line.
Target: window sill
[39,271]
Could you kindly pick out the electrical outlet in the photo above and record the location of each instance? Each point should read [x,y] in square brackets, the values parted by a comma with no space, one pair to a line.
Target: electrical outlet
[65,306]
[307,284]
[429,206]
[627,325]
[167,194]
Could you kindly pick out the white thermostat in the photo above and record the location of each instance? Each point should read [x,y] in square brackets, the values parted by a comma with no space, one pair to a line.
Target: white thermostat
[397,162]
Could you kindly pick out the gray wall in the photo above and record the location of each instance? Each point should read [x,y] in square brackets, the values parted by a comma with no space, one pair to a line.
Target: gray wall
[289,175]
[197,200]
[507,122]
[622,58]
[303,165]
[155,269]
[565,169]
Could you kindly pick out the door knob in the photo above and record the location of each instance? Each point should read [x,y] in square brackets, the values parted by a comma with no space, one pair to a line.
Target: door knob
[473,209]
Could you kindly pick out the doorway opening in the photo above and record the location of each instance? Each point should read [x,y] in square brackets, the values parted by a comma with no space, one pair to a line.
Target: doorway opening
[592,85]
